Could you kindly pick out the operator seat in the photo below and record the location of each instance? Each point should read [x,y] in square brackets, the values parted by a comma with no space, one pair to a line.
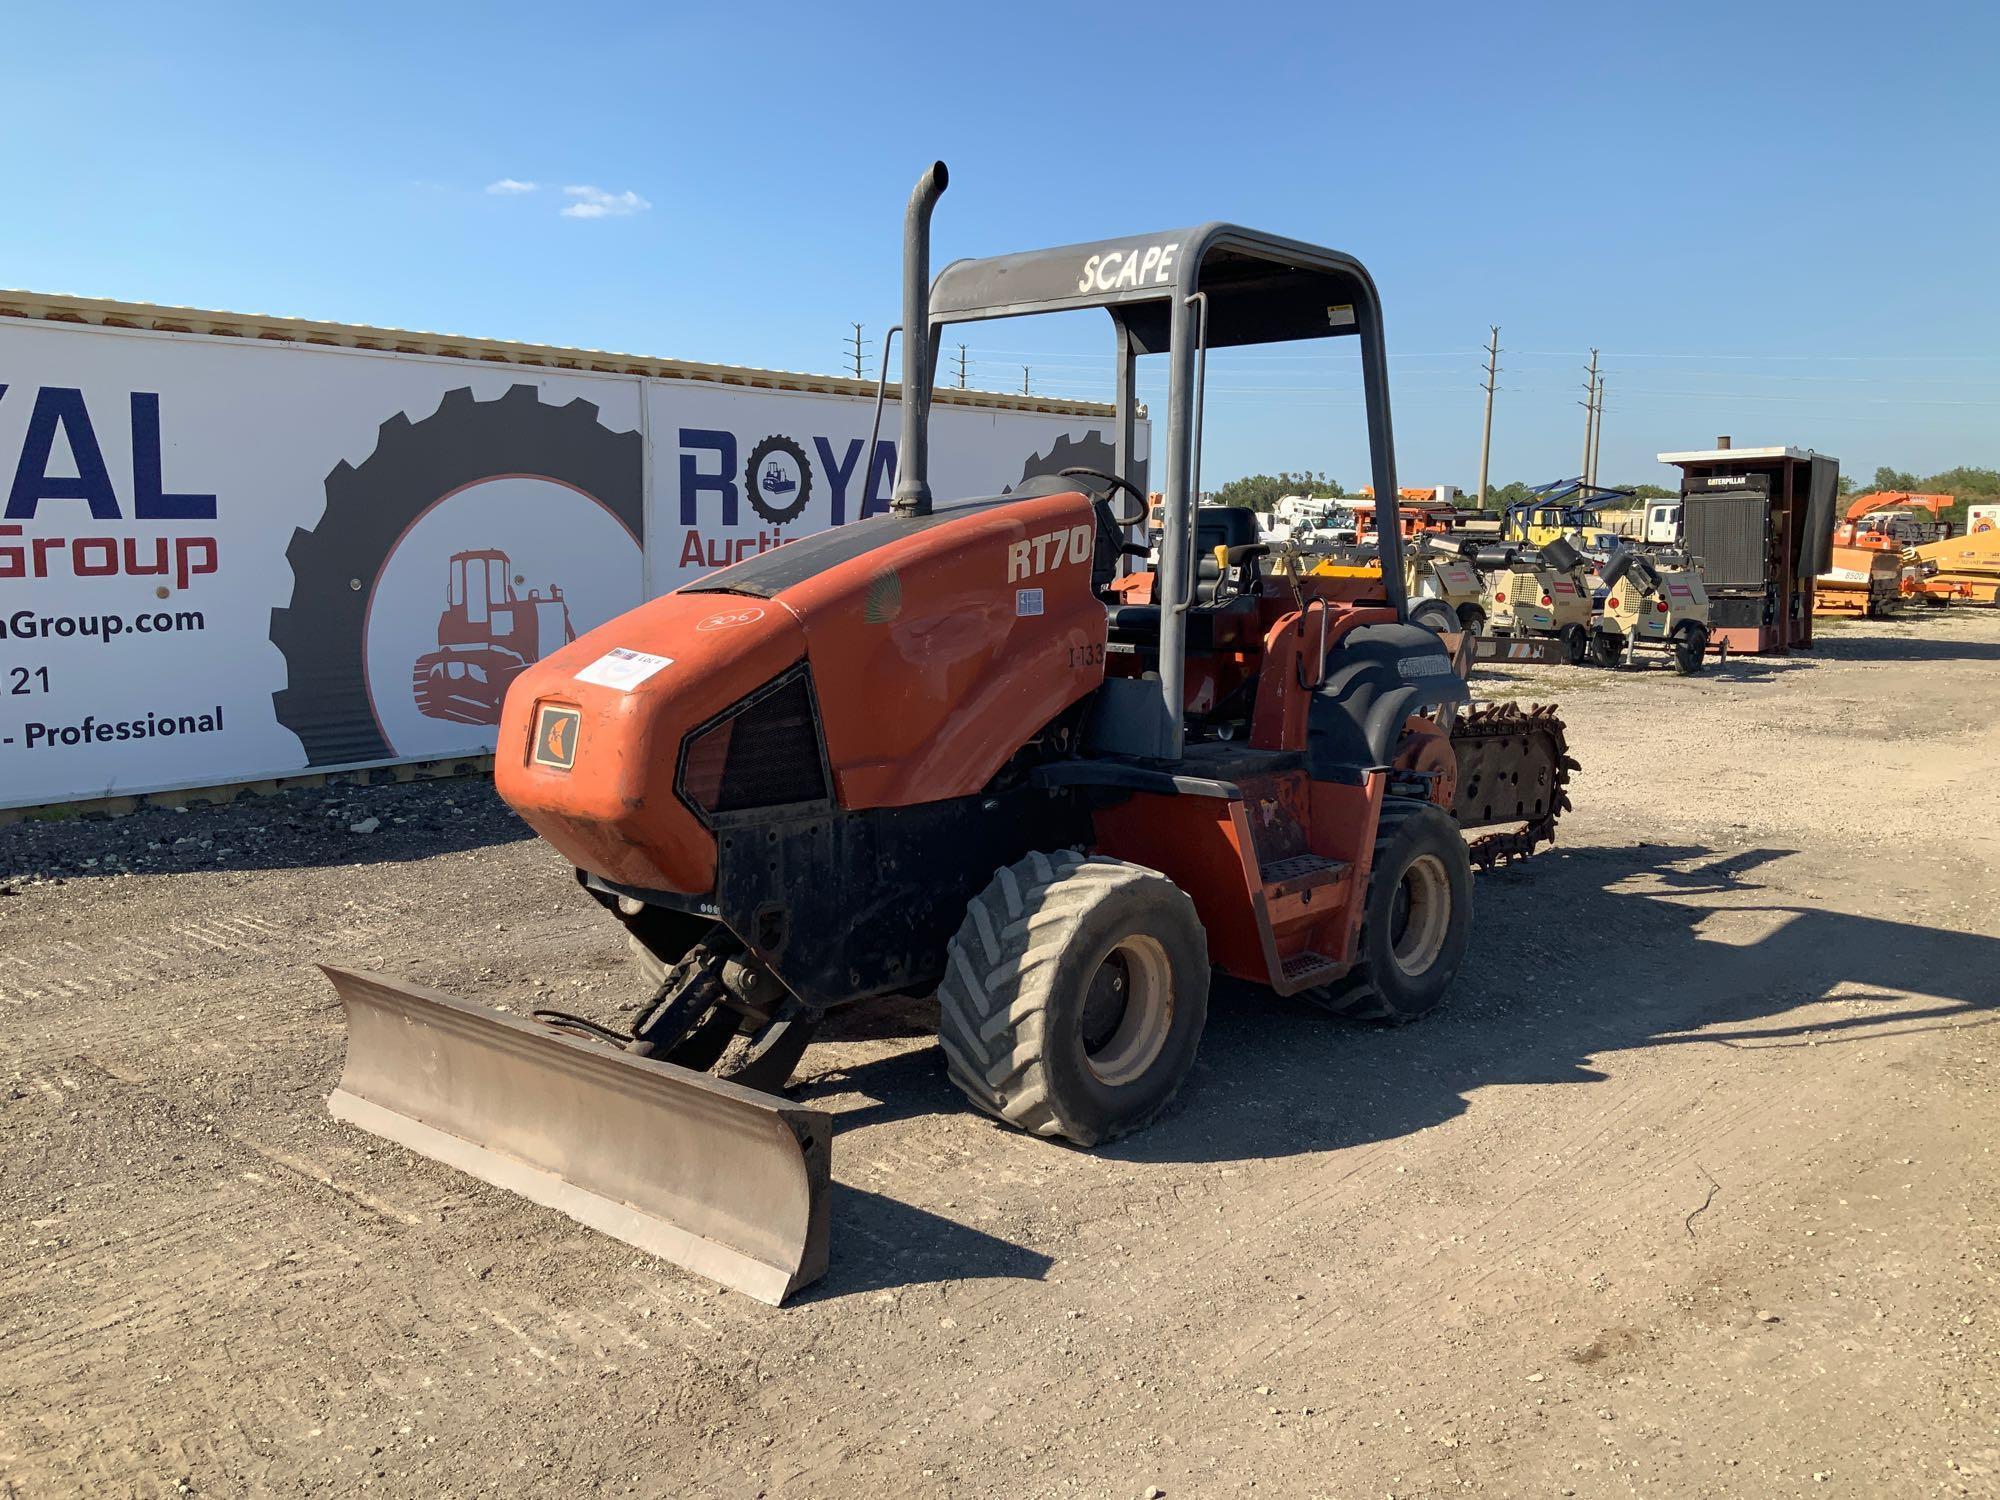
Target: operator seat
[1211,626]
[1215,526]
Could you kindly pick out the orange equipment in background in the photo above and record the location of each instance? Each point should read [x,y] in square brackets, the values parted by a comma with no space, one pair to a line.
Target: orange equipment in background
[1875,500]
[1863,580]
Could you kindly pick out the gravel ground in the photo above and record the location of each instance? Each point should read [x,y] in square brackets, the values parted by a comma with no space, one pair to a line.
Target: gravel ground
[1690,1192]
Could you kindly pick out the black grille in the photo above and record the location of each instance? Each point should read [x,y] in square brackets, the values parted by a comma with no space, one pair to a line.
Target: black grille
[763,753]
[1727,532]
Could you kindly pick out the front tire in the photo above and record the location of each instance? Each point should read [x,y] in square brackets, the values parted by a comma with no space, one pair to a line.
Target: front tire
[1607,650]
[1074,997]
[1576,644]
[1471,618]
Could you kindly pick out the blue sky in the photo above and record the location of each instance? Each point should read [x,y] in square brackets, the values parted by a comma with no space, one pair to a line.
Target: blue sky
[1776,220]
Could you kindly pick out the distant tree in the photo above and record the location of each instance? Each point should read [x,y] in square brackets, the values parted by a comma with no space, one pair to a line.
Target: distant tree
[1502,496]
[1887,478]
[1651,491]
[1263,491]
[1847,485]
[1964,482]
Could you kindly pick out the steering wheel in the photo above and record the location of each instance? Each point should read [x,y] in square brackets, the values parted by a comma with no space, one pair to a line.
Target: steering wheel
[1117,484]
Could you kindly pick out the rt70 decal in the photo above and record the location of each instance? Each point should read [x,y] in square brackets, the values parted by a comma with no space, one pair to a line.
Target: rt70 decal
[1052,549]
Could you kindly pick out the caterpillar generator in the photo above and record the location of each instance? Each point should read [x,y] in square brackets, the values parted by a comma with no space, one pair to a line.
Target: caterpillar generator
[1653,601]
[941,752]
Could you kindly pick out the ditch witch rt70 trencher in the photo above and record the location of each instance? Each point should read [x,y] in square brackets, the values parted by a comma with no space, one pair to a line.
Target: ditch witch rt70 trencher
[952,750]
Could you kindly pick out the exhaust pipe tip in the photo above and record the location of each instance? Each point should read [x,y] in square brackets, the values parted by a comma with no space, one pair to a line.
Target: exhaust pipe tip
[913,489]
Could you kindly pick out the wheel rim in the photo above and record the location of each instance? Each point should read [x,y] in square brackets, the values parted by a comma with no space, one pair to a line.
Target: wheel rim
[1127,1011]
[1422,915]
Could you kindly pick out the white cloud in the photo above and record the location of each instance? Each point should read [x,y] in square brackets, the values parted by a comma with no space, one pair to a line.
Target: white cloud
[507,185]
[595,203]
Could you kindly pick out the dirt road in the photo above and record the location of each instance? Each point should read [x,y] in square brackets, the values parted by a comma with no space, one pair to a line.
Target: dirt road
[1691,1192]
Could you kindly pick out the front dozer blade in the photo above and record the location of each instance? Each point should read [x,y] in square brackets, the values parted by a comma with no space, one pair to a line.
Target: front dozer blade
[723,1181]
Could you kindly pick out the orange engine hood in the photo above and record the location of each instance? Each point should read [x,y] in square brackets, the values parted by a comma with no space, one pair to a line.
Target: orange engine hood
[938,647]
[615,811]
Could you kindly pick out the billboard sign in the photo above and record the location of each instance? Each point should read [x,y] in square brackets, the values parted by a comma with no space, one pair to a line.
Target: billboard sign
[224,560]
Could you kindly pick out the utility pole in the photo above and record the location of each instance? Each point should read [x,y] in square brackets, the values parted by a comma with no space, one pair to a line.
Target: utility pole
[1589,405]
[1486,438]
[1024,380]
[961,367]
[1597,433]
[854,353]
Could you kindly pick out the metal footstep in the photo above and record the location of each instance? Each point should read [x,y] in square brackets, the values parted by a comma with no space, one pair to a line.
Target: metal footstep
[720,1180]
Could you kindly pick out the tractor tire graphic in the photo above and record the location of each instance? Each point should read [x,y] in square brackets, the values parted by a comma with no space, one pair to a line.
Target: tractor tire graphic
[465,686]
[774,511]
[1091,451]
[323,632]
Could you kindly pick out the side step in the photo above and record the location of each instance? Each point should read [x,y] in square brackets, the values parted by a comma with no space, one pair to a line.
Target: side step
[720,1180]
[1293,903]
[1304,970]
[1299,873]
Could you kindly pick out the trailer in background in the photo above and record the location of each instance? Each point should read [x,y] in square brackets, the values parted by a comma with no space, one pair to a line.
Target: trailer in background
[1761,521]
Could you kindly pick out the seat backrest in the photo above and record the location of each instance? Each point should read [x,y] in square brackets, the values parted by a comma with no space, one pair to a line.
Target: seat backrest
[1218,526]
[1224,526]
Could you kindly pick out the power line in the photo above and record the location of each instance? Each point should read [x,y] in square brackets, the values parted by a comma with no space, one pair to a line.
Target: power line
[1626,354]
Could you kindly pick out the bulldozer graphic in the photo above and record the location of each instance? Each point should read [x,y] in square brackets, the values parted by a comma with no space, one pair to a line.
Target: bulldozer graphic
[487,636]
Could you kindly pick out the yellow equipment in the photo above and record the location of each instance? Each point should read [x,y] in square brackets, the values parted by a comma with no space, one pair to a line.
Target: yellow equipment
[1652,600]
[1541,591]
[1972,560]
[1432,569]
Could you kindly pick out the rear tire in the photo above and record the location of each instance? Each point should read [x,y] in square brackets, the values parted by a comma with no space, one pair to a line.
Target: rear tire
[1576,644]
[1434,614]
[1607,650]
[1471,618]
[1690,648]
[1418,919]
[1074,997]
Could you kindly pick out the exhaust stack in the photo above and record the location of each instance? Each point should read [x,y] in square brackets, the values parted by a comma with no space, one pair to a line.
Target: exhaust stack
[913,485]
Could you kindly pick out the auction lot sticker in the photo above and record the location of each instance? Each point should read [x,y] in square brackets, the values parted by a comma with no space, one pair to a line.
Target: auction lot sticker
[622,669]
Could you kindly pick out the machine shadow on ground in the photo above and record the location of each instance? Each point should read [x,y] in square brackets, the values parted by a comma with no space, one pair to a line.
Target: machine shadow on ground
[1567,681]
[879,1244]
[1534,1005]
[1836,646]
